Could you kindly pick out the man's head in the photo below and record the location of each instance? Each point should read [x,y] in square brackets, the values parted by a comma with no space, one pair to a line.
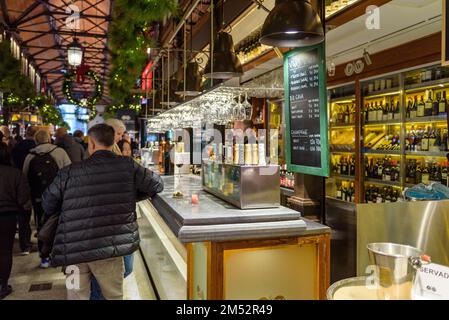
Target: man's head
[119,128]
[60,132]
[5,131]
[30,133]
[101,137]
[78,134]
[42,136]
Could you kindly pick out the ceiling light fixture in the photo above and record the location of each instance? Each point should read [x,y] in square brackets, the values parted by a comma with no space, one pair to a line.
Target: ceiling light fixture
[292,23]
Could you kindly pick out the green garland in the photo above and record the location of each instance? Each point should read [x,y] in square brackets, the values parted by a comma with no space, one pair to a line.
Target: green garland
[49,112]
[129,40]
[90,102]
[18,89]
[92,114]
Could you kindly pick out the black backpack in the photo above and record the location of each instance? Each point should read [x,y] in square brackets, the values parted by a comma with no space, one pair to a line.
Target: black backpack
[42,171]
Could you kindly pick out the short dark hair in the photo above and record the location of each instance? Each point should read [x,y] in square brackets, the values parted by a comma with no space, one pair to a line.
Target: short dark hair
[5,157]
[78,134]
[103,134]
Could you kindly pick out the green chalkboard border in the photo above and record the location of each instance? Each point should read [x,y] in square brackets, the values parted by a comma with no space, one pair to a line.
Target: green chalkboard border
[324,169]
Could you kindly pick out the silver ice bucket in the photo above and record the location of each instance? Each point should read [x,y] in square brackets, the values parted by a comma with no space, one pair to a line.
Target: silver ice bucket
[396,267]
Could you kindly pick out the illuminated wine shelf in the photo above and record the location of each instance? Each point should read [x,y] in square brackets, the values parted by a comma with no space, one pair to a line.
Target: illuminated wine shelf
[347,99]
[352,151]
[385,152]
[427,153]
[382,93]
[382,182]
[441,83]
[343,177]
[342,126]
[380,123]
[442,118]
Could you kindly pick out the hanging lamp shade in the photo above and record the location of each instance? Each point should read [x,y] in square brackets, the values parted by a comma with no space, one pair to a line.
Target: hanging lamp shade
[192,81]
[75,53]
[292,23]
[226,65]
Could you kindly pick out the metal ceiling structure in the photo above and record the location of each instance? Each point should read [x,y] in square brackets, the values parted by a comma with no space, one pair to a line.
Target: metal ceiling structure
[45,28]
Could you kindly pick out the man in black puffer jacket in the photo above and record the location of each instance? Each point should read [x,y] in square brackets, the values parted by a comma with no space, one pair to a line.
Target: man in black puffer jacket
[96,201]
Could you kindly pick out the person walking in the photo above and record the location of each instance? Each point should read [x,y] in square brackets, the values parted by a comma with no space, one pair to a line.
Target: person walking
[119,129]
[96,204]
[74,150]
[78,135]
[41,167]
[14,199]
[22,149]
[19,153]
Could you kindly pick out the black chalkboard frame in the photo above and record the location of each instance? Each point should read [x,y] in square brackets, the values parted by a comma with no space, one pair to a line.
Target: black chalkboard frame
[445,35]
[323,170]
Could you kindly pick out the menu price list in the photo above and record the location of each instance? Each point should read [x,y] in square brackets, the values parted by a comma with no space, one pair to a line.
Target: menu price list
[305,109]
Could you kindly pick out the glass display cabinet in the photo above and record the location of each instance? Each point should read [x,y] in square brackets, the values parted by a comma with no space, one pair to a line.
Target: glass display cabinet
[342,110]
[245,186]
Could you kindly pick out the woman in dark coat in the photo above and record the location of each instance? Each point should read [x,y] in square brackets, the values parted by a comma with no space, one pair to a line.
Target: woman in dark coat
[14,199]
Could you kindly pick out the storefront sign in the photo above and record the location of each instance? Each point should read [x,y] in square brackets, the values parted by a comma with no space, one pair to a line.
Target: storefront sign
[445,34]
[306,111]
[432,282]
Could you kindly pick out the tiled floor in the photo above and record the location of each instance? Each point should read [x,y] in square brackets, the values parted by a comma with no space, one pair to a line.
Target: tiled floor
[26,272]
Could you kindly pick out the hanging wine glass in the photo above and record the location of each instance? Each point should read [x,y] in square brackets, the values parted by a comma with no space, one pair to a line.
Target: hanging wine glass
[235,109]
[248,108]
[242,113]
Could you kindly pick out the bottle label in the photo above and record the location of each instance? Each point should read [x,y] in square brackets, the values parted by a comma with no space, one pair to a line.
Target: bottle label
[379,115]
[424,144]
[390,116]
[420,112]
[379,172]
[442,108]
[425,178]
[379,200]
[387,177]
[413,114]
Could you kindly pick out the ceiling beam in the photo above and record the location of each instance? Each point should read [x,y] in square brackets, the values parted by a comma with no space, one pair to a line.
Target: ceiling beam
[25,13]
[63,32]
[5,12]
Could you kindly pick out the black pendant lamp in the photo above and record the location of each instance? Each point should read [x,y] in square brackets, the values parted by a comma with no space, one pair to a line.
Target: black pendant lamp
[292,23]
[226,63]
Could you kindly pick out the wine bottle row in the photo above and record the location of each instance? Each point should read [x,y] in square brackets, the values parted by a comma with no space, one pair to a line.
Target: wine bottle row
[376,194]
[344,165]
[382,110]
[427,106]
[426,172]
[385,169]
[422,139]
[345,191]
[343,114]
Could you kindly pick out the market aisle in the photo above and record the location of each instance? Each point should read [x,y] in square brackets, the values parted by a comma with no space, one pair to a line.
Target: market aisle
[30,282]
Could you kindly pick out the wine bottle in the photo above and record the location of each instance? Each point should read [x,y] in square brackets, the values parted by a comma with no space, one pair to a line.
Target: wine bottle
[444,174]
[385,109]
[432,140]
[435,106]
[409,108]
[428,107]
[379,115]
[425,175]
[418,177]
[339,192]
[352,167]
[421,106]
[442,104]
[425,142]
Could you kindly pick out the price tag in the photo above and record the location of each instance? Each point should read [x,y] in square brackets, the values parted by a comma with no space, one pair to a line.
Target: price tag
[432,283]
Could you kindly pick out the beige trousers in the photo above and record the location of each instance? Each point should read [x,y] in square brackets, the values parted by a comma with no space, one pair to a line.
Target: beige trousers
[109,275]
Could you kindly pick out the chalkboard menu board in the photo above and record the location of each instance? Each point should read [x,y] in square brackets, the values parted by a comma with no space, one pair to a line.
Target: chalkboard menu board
[305,86]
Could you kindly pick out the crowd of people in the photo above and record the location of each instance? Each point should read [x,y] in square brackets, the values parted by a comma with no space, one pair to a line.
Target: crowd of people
[83,196]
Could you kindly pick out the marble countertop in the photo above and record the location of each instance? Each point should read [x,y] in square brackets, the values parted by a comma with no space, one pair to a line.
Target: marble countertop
[215,220]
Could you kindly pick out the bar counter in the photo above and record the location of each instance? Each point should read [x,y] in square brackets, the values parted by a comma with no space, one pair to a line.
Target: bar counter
[213,250]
